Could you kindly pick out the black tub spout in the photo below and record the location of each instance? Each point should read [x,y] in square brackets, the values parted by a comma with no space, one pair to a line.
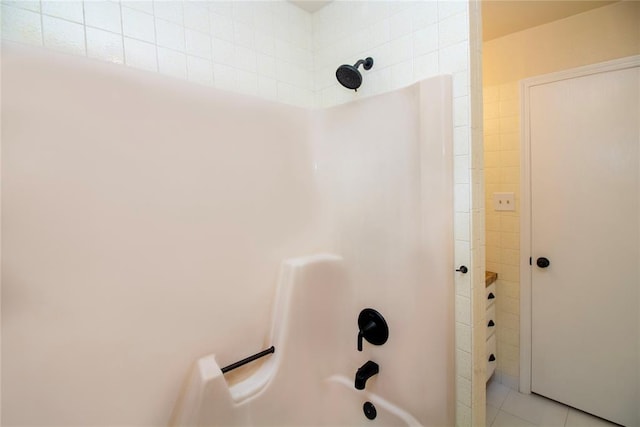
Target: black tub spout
[365,372]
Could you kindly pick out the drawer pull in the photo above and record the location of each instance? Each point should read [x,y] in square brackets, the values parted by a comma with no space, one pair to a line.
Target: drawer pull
[491,324]
[491,295]
[492,358]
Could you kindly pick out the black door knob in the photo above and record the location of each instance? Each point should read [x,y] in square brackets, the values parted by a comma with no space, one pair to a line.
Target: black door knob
[543,262]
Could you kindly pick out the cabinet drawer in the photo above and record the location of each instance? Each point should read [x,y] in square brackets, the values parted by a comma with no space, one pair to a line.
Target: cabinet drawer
[491,294]
[492,360]
[491,320]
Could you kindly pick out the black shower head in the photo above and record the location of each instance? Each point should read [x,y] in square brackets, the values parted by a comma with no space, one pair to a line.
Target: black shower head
[349,76]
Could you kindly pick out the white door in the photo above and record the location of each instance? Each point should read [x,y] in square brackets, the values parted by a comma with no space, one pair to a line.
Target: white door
[585,219]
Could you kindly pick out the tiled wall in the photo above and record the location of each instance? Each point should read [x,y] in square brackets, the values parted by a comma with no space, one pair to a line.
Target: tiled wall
[598,35]
[502,173]
[477,213]
[260,48]
[279,52]
[408,41]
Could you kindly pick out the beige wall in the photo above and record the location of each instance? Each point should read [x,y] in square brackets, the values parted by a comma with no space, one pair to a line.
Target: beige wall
[598,35]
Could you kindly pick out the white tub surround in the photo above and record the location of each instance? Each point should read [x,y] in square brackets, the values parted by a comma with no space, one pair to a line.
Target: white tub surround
[145,220]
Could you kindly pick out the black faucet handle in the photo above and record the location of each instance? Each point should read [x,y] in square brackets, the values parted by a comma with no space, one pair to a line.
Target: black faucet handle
[372,327]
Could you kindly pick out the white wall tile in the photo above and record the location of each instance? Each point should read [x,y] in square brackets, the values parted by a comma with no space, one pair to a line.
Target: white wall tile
[22,26]
[224,52]
[199,70]
[248,82]
[379,33]
[463,364]
[28,5]
[449,30]
[265,44]
[402,74]
[267,87]
[463,337]
[225,77]
[140,54]
[245,59]
[198,44]
[463,310]
[266,65]
[221,26]
[172,63]
[400,49]
[463,390]
[425,40]
[169,11]
[70,10]
[243,35]
[454,58]
[142,6]
[461,226]
[425,66]
[424,14]
[138,25]
[63,35]
[104,15]
[196,15]
[400,24]
[461,198]
[221,8]
[242,12]
[451,7]
[104,45]
[461,111]
[170,35]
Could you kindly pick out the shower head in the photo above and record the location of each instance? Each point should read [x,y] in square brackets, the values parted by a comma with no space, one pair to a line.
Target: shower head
[349,76]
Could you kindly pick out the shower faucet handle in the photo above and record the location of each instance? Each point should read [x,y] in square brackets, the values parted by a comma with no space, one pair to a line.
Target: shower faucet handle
[372,327]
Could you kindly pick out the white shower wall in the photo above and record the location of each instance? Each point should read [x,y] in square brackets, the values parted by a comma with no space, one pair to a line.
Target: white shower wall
[278,52]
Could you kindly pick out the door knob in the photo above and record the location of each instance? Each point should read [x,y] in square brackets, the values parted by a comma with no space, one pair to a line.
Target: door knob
[543,262]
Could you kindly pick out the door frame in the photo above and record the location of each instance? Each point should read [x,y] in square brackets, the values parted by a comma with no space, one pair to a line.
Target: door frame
[525,201]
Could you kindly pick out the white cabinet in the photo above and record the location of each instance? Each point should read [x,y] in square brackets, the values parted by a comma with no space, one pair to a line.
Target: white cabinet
[490,319]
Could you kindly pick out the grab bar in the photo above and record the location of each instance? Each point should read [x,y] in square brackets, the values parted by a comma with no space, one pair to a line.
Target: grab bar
[270,350]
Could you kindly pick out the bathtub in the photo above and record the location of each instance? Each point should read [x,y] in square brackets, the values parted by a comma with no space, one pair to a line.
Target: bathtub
[189,228]
[292,387]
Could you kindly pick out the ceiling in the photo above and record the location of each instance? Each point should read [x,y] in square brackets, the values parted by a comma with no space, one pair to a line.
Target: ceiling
[502,17]
[311,5]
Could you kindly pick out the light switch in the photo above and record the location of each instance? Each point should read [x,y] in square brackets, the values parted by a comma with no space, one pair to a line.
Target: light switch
[504,201]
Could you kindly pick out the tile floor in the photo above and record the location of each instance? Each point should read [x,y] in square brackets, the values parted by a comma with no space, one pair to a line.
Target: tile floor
[509,408]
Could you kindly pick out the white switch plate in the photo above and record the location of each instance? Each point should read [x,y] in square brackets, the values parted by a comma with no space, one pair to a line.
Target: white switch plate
[504,201]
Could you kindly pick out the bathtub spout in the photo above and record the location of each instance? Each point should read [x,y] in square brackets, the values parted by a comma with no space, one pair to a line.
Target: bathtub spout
[365,372]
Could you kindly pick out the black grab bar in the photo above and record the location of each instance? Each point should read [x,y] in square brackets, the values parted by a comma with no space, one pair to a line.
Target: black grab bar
[270,350]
